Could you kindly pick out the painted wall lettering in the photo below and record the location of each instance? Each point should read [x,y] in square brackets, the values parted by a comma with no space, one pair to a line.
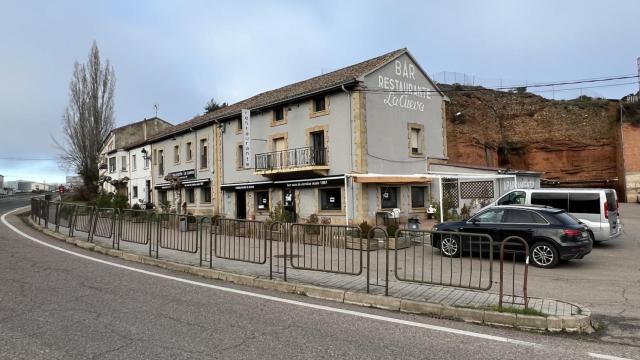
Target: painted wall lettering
[404,92]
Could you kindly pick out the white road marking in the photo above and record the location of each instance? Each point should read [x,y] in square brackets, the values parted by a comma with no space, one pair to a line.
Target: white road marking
[288,301]
[607,357]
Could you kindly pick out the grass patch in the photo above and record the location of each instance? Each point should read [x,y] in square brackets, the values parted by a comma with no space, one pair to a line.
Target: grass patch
[515,310]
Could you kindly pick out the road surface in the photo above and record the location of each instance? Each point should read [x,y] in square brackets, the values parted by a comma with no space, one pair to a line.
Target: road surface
[60,302]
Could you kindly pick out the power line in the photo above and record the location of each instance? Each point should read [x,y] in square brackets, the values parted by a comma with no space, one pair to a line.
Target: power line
[584,87]
[534,85]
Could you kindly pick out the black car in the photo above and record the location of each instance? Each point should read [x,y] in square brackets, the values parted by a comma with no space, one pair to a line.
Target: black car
[552,234]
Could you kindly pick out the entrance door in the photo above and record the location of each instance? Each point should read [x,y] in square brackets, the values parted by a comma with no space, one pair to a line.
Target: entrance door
[289,203]
[241,204]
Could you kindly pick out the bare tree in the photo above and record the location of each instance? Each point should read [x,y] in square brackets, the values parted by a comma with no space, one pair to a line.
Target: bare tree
[88,119]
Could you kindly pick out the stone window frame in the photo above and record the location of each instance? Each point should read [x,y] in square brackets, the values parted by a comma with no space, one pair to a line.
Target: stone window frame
[421,140]
[239,125]
[176,154]
[312,107]
[324,128]
[206,142]
[285,116]
[239,154]
[284,135]
[188,152]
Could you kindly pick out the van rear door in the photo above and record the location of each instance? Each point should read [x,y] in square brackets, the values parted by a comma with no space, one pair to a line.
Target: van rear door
[612,210]
[585,205]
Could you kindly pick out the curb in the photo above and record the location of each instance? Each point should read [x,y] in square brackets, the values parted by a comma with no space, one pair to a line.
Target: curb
[580,324]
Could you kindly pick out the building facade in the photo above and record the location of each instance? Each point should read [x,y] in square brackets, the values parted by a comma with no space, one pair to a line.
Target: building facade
[182,170]
[115,167]
[311,143]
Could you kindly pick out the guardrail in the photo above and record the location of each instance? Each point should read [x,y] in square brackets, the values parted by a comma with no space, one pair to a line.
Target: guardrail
[463,260]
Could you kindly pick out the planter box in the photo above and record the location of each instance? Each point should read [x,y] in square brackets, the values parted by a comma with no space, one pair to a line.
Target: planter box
[401,242]
[361,244]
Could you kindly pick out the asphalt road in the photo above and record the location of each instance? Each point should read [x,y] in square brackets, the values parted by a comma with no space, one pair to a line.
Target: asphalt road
[56,305]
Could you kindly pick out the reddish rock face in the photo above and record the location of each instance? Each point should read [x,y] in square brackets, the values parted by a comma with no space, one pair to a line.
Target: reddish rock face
[567,140]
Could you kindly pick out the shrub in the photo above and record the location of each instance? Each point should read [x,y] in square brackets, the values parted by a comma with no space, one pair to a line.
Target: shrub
[365,228]
[103,200]
[313,219]
[136,207]
[278,214]
[325,220]
[165,206]
[391,230]
[120,201]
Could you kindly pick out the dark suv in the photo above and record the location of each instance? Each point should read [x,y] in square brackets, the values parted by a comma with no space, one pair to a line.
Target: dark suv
[552,234]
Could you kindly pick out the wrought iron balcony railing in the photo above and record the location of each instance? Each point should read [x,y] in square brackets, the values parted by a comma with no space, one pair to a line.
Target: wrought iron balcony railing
[291,158]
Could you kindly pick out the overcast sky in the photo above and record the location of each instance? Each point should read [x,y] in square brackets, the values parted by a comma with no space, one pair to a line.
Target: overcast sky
[179,54]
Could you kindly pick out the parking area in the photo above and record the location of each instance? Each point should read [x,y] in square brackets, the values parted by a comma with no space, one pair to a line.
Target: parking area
[607,281]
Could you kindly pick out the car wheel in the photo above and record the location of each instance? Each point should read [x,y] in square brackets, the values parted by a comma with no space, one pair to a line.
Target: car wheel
[450,246]
[544,255]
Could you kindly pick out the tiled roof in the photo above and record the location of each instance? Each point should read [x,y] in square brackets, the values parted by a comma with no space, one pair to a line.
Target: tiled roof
[307,87]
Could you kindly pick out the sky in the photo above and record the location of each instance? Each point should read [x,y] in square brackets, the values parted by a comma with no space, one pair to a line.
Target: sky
[180,54]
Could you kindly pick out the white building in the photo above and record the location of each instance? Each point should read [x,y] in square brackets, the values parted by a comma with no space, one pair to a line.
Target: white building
[115,167]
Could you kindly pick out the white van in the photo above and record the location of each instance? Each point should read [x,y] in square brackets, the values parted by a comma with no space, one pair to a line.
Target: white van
[596,208]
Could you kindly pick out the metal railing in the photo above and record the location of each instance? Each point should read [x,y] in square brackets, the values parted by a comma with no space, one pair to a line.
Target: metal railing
[328,248]
[241,240]
[463,260]
[291,158]
[514,245]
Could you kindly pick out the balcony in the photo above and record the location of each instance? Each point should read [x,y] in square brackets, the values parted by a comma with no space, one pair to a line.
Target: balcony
[292,160]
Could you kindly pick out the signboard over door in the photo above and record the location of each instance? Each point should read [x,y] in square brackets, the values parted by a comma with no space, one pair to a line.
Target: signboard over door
[246,144]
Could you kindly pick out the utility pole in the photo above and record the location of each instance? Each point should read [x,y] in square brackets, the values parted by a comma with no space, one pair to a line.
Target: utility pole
[156,107]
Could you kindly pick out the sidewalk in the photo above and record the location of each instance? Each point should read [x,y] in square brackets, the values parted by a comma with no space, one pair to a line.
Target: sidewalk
[478,304]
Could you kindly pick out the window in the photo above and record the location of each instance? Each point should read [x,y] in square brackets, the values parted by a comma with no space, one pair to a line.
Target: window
[239,125]
[146,161]
[135,192]
[240,157]
[189,194]
[204,161]
[320,104]
[123,160]
[417,196]
[389,197]
[112,164]
[188,152]
[262,200]
[133,163]
[584,203]
[415,140]
[278,114]
[331,199]
[513,198]
[205,194]
[160,162]
[489,216]
[554,199]
[155,157]
[162,195]
[514,216]
[176,154]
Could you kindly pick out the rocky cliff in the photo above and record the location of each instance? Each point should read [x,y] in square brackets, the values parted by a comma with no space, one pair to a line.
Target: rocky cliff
[565,139]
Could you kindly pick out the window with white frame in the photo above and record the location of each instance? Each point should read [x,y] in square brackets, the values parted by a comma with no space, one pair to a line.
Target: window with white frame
[188,151]
[134,164]
[123,160]
[176,154]
[112,164]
